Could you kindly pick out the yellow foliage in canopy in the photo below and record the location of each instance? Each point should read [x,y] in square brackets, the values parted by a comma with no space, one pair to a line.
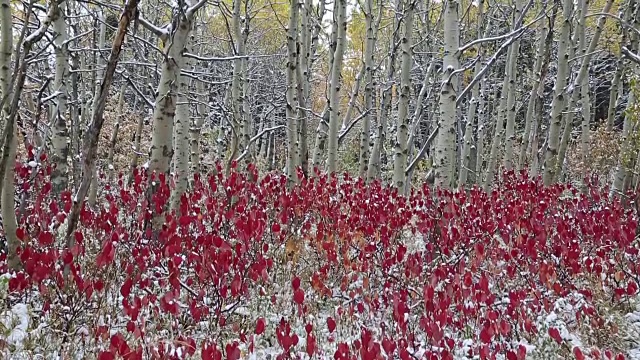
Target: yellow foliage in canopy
[267,26]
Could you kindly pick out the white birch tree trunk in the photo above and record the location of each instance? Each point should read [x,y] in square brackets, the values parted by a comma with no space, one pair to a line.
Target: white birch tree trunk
[236,83]
[374,168]
[613,94]
[535,88]
[196,129]
[445,148]
[334,92]
[557,106]
[479,161]
[60,133]
[401,148]
[292,98]
[7,205]
[303,85]
[510,134]
[370,44]
[165,102]
[181,138]
[499,131]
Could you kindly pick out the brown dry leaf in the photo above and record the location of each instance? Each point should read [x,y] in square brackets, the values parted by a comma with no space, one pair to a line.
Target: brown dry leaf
[292,249]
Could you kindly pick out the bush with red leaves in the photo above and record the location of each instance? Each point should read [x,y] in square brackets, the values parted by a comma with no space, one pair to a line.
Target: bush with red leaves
[434,275]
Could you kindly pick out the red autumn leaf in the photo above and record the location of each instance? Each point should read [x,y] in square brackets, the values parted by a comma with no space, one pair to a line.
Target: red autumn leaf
[106,355]
[295,283]
[311,345]
[233,352]
[125,289]
[522,352]
[389,347]
[260,325]
[555,335]
[275,228]
[578,353]
[210,352]
[331,324]
[45,238]
[485,335]
[298,296]
[236,285]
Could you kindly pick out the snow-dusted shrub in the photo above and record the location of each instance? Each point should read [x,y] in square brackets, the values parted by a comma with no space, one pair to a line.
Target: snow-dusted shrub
[323,269]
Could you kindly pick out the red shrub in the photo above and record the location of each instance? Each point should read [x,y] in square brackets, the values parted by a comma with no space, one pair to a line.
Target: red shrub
[410,274]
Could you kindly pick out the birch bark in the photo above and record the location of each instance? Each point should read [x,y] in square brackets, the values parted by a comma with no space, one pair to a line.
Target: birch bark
[292,98]
[335,85]
[60,133]
[446,142]
[402,135]
[557,106]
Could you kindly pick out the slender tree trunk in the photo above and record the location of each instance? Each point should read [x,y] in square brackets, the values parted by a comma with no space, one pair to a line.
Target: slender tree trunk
[377,150]
[303,86]
[137,137]
[625,162]
[76,105]
[165,103]
[6,48]
[221,143]
[181,138]
[540,69]
[482,123]
[402,134]
[535,158]
[473,104]
[236,82]
[60,133]
[292,98]
[336,72]
[613,94]
[9,221]
[323,125]
[351,105]
[557,106]
[370,44]
[196,129]
[499,130]
[446,142]
[510,134]
[100,63]
[116,128]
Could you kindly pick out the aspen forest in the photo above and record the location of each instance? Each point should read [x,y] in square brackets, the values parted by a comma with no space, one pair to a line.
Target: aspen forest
[320,179]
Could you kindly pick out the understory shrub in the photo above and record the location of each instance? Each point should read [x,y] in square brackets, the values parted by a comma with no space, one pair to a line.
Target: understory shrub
[323,269]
